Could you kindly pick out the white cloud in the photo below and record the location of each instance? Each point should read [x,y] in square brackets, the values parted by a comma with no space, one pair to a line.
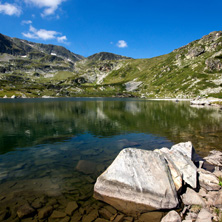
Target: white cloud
[50,6]
[62,39]
[122,44]
[26,22]
[43,34]
[10,9]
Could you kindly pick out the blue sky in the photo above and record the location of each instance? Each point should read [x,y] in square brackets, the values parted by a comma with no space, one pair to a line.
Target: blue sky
[139,28]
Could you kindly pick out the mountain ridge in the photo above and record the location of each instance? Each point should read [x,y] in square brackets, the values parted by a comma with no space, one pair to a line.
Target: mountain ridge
[22,47]
[16,46]
[191,70]
[101,56]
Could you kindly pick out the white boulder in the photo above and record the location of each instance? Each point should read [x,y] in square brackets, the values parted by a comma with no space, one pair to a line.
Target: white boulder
[137,181]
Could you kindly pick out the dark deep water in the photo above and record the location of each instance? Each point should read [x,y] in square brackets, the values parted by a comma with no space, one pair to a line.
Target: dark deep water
[54,149]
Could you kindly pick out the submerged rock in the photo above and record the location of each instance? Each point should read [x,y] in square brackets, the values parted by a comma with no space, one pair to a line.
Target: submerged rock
[91,216]
[58,215]
[86,166]
[71,207]
[25,211]
[45,212]
[151,217]
[137,181]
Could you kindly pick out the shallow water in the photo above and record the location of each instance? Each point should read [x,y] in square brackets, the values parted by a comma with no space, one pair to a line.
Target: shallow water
[52,150]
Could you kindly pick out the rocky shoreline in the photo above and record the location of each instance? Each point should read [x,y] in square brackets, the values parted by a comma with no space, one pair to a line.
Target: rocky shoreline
[208,102]
[77,204]
[141,182]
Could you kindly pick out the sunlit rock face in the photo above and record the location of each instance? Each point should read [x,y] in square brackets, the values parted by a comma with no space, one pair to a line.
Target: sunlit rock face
[180,157]
[137,181]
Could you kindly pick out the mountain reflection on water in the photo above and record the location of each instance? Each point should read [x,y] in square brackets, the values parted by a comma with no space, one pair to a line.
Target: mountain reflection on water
[30,122]
[52,150]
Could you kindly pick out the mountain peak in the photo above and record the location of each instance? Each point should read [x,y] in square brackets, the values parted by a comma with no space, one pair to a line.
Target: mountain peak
[106,56]
[20,47]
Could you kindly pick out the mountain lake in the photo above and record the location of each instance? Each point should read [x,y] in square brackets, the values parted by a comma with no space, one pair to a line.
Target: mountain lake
[52,150]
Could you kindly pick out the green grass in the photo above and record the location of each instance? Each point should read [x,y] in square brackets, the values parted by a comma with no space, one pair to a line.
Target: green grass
[62,75]
[220,178]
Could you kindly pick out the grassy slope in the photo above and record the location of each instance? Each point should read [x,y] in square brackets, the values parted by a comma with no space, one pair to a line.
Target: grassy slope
[162,77]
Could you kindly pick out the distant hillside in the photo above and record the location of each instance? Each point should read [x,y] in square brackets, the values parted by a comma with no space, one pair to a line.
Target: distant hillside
[106,56]
[19,47]
[35,70]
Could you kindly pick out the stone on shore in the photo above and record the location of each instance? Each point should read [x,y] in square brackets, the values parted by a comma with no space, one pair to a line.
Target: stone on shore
[218,200]
[214,198]
[218,173]
[191,216]
[200,102]
[214,158]
[137,181]
[204,216]
[192,198]
[208,180]
[172,216]
[185,148]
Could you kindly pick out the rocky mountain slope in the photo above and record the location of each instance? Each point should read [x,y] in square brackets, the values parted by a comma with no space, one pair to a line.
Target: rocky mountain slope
[19,47]
[33,70]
